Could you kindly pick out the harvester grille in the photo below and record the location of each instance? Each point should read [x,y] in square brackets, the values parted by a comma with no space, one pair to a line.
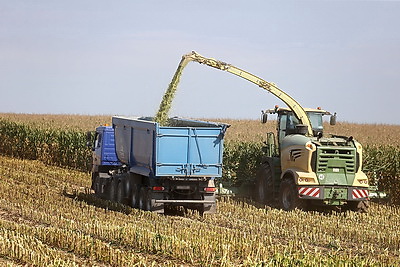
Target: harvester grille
[337,157]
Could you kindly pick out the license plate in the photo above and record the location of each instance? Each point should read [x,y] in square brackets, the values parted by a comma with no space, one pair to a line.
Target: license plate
[183,187]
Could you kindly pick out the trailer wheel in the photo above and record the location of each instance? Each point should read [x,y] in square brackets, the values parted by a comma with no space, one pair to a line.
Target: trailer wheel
[120,196]
[110,191]
[289,197]
[142,198]
[357,206]
[134,198]
[264,185]
[149,200]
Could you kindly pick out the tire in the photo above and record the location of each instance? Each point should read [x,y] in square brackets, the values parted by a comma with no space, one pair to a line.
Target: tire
[142,198]
[96,184]
[148,205]
[120,195]
[264,185]
[110,191]
[134,198]
[357,206]
[289,197]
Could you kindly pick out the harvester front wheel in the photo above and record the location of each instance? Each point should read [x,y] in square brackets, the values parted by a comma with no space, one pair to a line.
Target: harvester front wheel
[289,196]
[264,184]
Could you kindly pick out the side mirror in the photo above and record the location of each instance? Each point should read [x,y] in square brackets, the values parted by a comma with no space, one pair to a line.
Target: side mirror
[264,117]
[89,141]
[332,121]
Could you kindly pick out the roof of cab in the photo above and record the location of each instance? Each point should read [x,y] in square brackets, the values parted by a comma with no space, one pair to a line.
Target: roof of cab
[283,109]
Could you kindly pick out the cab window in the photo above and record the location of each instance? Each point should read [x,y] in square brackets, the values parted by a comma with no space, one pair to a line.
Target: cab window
[316,120]
[292,121]
[97,142]
[282,126]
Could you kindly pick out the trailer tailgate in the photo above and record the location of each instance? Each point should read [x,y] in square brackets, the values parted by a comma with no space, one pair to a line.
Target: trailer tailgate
[189,151]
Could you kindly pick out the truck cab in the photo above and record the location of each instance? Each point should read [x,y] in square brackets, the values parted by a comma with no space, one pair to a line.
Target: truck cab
[104,157]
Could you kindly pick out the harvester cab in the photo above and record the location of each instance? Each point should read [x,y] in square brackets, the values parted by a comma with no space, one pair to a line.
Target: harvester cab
[289,124]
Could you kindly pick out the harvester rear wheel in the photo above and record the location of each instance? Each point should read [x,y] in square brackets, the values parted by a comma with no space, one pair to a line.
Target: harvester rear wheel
[264,185]
[289,196]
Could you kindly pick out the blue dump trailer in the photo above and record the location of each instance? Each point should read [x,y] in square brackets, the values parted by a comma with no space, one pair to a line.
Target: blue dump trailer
[152,167]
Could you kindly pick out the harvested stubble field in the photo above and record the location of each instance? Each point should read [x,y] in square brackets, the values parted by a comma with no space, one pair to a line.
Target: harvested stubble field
[48,215]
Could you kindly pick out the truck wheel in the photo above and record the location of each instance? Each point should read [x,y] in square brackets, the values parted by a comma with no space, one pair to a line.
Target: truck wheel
[96,184]
[289,197]
[264,185]
[120,197]
[142,198]
[148,205]
[110,191]
[357,206]
[134,199]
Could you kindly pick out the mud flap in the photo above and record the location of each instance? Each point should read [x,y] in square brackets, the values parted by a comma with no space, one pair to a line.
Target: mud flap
[155,206]
[210,208]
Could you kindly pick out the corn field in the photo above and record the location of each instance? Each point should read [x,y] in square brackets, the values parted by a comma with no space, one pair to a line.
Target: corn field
[49,217]
[52,146]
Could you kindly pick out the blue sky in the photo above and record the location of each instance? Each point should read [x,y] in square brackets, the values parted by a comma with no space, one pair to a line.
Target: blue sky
[118,57]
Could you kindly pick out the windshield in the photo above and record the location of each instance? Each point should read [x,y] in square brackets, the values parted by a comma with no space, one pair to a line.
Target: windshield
[315,119]
[288,122]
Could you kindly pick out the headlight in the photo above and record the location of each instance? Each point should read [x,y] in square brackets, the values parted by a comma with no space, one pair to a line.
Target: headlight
[310,146]
[363,181]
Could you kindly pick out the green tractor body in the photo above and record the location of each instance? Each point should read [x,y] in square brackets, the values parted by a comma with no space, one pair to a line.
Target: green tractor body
[303,171]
